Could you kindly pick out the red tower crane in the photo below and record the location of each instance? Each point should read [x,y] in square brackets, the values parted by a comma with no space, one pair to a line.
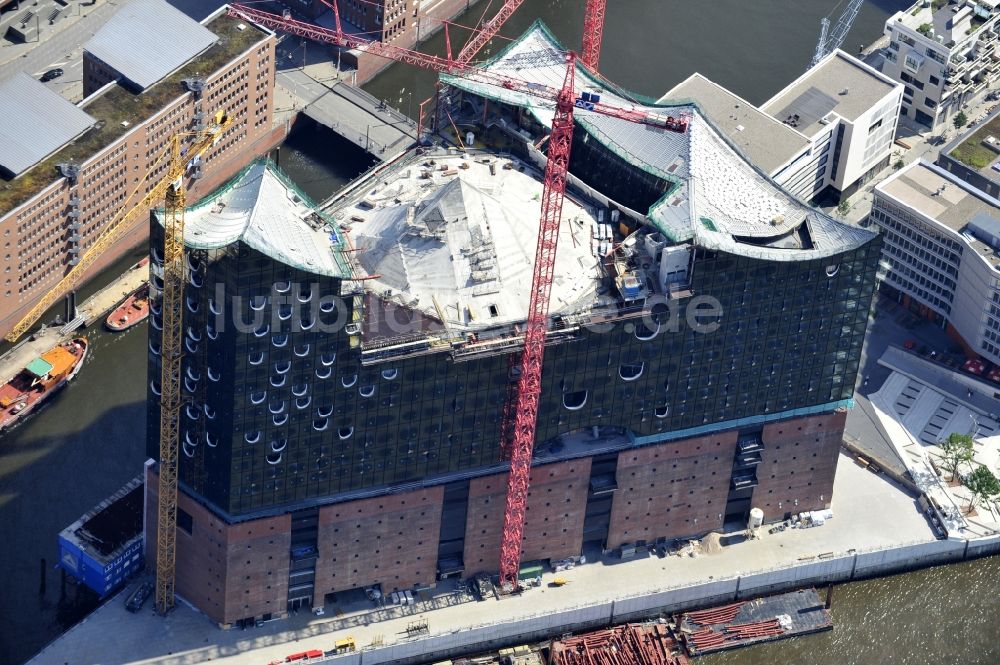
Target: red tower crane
[488,31]
[593,33]
[518,426]
[529,382]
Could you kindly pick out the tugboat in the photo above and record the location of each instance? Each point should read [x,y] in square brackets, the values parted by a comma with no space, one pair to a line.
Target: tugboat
[134,309]
[42,377]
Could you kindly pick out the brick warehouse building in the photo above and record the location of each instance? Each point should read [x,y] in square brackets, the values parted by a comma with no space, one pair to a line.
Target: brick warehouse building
[345,372]
[139,83]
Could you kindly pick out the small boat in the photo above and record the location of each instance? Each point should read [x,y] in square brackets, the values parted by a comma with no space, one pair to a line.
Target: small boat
[134,309]
[42,377]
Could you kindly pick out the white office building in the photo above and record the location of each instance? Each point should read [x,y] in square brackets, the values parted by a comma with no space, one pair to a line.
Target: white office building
[828,132]
[942,237]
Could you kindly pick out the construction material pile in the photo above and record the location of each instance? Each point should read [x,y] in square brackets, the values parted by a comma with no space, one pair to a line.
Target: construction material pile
[632,644]
[749,622]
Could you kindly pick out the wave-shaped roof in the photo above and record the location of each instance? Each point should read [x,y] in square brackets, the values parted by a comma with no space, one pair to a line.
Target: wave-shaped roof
[719,199]
[263,210]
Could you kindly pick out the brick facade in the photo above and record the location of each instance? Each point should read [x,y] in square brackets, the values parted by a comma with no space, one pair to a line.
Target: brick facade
[228,571]
[798,464]
[553,527]
[36,233]
[671,490]
[391,539]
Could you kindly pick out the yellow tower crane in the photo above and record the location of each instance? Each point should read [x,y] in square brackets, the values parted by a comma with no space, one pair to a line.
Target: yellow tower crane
[119,225]
[170,354]
[184,148]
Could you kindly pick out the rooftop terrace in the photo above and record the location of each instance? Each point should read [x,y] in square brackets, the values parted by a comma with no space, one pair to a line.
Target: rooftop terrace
[117,105]
[952,22]
[981,149]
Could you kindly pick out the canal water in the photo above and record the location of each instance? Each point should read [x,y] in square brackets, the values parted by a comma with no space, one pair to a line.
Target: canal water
[752,47]
[89,440]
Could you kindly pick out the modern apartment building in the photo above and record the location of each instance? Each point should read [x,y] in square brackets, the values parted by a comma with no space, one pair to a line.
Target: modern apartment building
[823,136]
[345,373]
[942,237]
[945,53]
[150,72]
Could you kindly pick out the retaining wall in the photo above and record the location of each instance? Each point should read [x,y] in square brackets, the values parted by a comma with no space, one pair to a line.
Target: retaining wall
[835,569]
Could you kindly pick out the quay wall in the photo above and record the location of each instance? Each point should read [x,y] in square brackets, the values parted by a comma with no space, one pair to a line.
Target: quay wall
[656,602]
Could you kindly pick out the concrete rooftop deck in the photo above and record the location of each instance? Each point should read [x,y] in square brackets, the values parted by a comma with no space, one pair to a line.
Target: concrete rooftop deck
[112,635]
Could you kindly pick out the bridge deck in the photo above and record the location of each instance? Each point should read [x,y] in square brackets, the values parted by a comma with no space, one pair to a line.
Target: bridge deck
[352,113]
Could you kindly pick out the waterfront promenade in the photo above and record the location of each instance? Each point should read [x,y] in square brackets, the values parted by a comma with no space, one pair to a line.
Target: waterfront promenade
[597,591]
[92,310]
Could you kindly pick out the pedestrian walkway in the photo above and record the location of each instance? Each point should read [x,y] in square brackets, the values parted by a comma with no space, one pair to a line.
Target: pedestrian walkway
[92,311]
[98,305]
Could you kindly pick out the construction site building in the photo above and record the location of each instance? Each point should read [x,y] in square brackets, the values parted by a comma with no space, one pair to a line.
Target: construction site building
[346,370]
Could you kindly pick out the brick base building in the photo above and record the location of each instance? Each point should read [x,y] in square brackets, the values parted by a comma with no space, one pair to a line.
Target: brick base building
[666,491]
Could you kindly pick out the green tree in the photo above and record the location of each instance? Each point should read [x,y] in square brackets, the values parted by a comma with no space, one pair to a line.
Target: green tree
[925,29]
[983,485]
[956,450]
[898,164]
[960,120]
[844,207]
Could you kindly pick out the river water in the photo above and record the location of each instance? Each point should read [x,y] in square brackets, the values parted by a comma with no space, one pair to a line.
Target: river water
[90,439]
[752,47]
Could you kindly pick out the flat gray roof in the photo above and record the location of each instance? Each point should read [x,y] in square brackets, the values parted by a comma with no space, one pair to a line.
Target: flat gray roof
[34,122]
[765,141]
[839,83]
[146,41]
[933,192]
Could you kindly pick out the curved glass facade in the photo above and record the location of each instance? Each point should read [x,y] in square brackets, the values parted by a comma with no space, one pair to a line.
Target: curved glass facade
[788,337]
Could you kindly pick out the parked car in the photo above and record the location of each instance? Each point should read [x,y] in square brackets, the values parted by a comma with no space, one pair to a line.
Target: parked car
[136,599]
[51,74]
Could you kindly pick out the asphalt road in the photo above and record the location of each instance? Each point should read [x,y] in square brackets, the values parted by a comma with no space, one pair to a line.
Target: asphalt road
[61,45]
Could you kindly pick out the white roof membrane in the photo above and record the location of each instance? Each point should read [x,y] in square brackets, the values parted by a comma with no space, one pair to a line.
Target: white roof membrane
[747,212]
[147,40]
[457,243]
[34,122]
[264,212]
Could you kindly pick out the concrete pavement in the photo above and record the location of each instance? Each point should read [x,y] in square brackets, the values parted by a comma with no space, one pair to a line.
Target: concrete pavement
[60,45]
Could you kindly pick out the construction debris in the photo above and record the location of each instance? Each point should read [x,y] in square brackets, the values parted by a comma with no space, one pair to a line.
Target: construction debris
[632,644]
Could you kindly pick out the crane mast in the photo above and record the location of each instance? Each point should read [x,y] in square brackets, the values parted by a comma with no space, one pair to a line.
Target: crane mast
[529,382]
[171,354]
[593,33]
[170,392]
[831,41]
